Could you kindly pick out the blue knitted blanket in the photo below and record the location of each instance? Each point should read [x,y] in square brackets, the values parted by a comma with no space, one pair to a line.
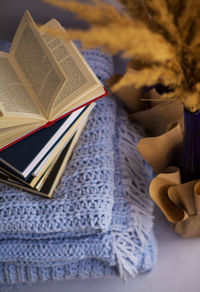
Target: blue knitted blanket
[99,222]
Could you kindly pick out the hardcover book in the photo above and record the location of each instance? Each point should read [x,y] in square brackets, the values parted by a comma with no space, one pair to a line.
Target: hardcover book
[48,174]
[43,78]
[24,157]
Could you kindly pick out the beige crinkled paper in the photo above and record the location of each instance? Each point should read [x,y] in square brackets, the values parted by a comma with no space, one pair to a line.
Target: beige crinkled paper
[162,151]
[180,202]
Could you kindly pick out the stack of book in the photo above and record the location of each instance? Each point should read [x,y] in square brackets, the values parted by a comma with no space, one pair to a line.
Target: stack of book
[47,91]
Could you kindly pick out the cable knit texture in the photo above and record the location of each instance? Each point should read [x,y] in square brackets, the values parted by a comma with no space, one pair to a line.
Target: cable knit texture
[99,222]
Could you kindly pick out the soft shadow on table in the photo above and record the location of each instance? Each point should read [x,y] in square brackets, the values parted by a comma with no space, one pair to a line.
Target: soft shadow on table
[176,269]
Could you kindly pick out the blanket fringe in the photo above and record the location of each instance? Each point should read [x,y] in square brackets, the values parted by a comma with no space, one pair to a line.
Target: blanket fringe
[132,166]
[127,262]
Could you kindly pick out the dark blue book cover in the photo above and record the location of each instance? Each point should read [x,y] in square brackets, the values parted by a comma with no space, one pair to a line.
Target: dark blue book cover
[24,156]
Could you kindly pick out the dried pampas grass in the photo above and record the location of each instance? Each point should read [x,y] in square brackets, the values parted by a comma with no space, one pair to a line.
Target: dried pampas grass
[161,37]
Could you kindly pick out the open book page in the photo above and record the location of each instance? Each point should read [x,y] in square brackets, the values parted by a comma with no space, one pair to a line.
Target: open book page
[9,122]
[80,78]
[15,101]
[34,61]
[84,100]
[10,134]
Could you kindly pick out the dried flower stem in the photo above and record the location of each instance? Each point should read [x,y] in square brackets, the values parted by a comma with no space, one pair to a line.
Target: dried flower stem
[161,37]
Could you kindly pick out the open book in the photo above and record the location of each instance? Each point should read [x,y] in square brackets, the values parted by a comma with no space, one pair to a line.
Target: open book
[42,78]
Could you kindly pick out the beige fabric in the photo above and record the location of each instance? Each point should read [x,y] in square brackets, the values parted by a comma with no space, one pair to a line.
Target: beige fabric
[157,118]
[183,196]
[128,94]
[197,197]
[179,202]
[188,228]
[159,193]
[149,109]
[163,150]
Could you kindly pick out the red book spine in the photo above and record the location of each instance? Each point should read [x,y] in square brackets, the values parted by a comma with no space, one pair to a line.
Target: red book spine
[48,124]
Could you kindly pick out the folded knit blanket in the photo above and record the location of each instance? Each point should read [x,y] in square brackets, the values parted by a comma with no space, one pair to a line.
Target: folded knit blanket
[99,222]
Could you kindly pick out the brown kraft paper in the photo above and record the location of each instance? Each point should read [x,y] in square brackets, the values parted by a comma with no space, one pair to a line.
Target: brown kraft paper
[180,202]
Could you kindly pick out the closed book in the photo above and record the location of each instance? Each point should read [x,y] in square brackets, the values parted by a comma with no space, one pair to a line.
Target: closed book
[44,184]
[52,179]
[23,157]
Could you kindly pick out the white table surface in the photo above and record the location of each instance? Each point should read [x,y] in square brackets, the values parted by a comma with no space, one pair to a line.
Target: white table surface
[178,263]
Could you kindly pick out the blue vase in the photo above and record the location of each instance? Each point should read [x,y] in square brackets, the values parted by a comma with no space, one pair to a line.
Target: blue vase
[190,164]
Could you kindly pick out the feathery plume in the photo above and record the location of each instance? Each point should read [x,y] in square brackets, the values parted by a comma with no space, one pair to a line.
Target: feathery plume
[161,38]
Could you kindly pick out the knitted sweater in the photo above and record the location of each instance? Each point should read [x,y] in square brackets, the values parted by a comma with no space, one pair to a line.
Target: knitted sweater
[99,221]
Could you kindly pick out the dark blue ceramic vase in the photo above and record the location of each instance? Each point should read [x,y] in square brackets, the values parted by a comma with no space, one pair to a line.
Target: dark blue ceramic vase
[190,164]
